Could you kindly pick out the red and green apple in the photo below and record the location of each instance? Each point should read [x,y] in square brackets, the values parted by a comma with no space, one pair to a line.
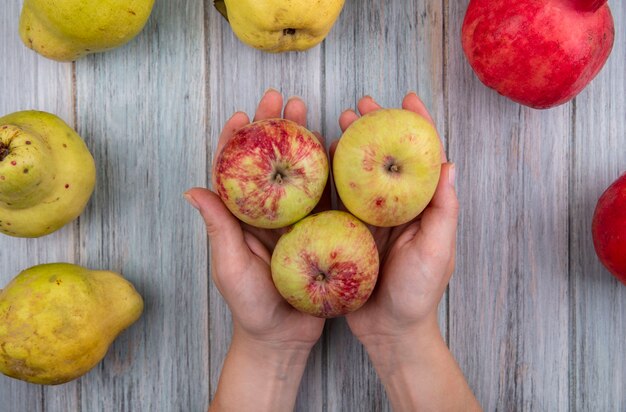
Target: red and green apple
[326,265]
[387,166]
[271,173]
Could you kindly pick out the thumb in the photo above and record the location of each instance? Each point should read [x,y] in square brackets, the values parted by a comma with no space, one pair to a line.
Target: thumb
[439,220]
[225,233]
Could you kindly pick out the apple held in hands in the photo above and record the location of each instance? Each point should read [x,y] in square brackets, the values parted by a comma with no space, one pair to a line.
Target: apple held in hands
[279,26]
[387,166]
[327,265]
[271,173]
[47,174]
[540,53]
[609,229]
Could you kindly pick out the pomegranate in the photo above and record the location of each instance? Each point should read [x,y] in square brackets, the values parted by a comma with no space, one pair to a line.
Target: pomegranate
[540,53]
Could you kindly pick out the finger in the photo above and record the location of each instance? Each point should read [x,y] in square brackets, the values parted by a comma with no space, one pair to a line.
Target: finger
[236,122]
[347,118]
[367,105]
[225,234]
[439,220]
[270,106]
[257,247]
[413,103]
[295,110]
[268,238]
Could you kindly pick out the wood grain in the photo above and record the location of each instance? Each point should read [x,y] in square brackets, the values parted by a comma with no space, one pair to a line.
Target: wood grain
[142,108]
[598,301]
[509,298]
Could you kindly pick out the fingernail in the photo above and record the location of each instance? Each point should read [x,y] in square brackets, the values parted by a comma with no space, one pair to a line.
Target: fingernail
[294,98]
[191,201]
[452,174]
[271,89]
[412,92]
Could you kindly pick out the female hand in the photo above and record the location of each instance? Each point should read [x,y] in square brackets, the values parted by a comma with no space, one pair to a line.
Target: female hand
[417,258]
[271,339]
[398,324]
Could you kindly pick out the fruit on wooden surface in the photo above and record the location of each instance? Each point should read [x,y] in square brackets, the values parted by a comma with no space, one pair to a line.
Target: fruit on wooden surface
[540,53]
[609,229]
[47,174]
[58,320]
[278,26]
[66,30]
[326,265]
[271,173]
[387,165]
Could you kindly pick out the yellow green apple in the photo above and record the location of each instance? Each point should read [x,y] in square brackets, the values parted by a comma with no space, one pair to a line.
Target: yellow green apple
[271,173]
[326,265]
[278,26]
[47,174]
[387,165]
[58,320]
[66,30]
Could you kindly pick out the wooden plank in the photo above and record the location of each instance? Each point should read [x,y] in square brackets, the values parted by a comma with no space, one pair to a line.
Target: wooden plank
[382,49]
[598,301]
[142,109]
[239,75]
[29,81]
[509,297]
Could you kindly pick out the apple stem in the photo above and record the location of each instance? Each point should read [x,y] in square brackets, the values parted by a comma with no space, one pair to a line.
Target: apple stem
[278,178]
[589,5]
[4,151]
[394,169]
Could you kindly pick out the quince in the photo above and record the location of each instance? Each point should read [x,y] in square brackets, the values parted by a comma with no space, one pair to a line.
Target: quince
[47,174]
[278,26]
[66,30]
[58,320]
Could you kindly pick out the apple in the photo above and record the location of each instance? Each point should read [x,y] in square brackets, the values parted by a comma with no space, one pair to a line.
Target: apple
[540,53]
[387,166]
[271,173]
[326,265]
[609,229]
[277,25]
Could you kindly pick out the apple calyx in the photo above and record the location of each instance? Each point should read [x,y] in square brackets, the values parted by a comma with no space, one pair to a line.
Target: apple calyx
[320,277]
[279,177]
[289,32]
[392,166]
[589,5]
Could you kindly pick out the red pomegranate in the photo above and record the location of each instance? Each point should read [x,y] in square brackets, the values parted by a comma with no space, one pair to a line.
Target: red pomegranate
[540,53]
[609,229]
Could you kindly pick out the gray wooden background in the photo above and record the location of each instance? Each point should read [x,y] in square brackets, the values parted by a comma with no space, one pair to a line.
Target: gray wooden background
[533,319]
